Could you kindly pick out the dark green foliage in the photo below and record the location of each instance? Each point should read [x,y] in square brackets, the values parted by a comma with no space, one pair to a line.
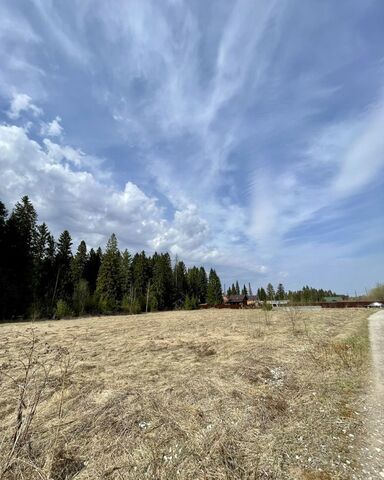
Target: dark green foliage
[109,281]
[81,296]
[19,247]
[126,272]
[180,283]
[79,263]
[63,261]
[92,268]
[214,293]
[280,292]
[161,287]
[270,292]
[190,303]
[261,294]
[244,291]
[237,288]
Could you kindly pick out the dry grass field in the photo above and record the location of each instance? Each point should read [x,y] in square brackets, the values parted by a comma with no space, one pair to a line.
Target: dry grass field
[212,394]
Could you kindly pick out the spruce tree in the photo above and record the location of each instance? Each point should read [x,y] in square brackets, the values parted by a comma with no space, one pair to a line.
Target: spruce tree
[63,264]
[237,288]
[262,294]
[203,284]
[92,268]
[109,281]
[270,292]
[179,282]
[19,261]
[214,292]
[162,282]
[79,262]
[280,292]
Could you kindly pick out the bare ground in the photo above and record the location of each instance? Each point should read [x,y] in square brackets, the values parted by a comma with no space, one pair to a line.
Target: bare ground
[372,458]
[212,394]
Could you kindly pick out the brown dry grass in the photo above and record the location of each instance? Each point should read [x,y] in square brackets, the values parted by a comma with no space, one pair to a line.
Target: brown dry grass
[214,394]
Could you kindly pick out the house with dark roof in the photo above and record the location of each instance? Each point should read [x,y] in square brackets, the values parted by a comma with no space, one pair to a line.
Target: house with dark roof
[237,300]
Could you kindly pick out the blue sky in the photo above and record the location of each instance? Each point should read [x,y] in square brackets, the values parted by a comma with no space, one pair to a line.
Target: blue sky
[244,135]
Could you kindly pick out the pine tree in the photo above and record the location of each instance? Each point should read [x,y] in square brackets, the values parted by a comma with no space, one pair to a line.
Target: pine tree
[3,269]
[92,268]
[280,292]
[126,272]
[109,281]
[141,271]
[203,285]
[19,262]
[162,283]
[179,282]
[249,289]
[63,264]
[44,271]
[270,292]
[79,262]
[262,294]
[214,293]
[237,288]
[244,291]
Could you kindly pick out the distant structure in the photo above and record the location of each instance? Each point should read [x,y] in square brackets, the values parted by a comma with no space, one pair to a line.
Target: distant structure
[278,303]
[252,301]
[236,300]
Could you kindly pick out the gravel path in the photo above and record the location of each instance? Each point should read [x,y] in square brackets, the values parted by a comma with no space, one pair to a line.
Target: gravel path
[373,452]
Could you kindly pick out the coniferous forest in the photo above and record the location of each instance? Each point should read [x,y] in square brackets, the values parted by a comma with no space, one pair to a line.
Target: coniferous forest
[40,277]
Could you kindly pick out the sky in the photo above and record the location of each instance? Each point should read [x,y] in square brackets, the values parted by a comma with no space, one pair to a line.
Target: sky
[243,135]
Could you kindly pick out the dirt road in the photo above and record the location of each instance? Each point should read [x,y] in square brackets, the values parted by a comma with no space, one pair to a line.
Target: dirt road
[373,451]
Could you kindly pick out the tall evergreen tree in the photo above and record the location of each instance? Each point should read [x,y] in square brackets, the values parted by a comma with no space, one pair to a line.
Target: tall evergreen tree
[237,288]
[126,272]
[92,268]
[63,261]
[244,291]
[179,282]
[203,285]
[280,292]
[44,271]
[109,281]
[262,294]
[19,253]
[162,282]
[79,262]
[214,293]
[270,292]
[3,269]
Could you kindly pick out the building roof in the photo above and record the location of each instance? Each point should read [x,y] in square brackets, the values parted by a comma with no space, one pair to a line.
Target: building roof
[252,297]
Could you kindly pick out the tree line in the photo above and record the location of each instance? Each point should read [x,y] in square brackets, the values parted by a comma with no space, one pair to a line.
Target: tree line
[306,295]
[41,278]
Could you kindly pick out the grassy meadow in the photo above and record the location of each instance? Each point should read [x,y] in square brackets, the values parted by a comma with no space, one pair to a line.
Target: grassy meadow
[210,394]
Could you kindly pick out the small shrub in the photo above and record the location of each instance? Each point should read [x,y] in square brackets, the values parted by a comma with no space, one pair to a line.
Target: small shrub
[62,309]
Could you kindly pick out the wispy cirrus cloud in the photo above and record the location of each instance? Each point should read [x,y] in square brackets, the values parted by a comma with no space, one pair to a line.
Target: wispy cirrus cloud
[256,134]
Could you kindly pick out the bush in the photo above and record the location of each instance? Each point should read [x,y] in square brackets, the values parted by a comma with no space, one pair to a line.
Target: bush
[81,297]
[131,306]
[190,303]
[63,309]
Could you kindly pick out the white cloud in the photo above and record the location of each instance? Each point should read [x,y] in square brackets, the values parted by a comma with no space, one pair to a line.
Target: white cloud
[21,102]
[347,157]
[52,129]
[89,208]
